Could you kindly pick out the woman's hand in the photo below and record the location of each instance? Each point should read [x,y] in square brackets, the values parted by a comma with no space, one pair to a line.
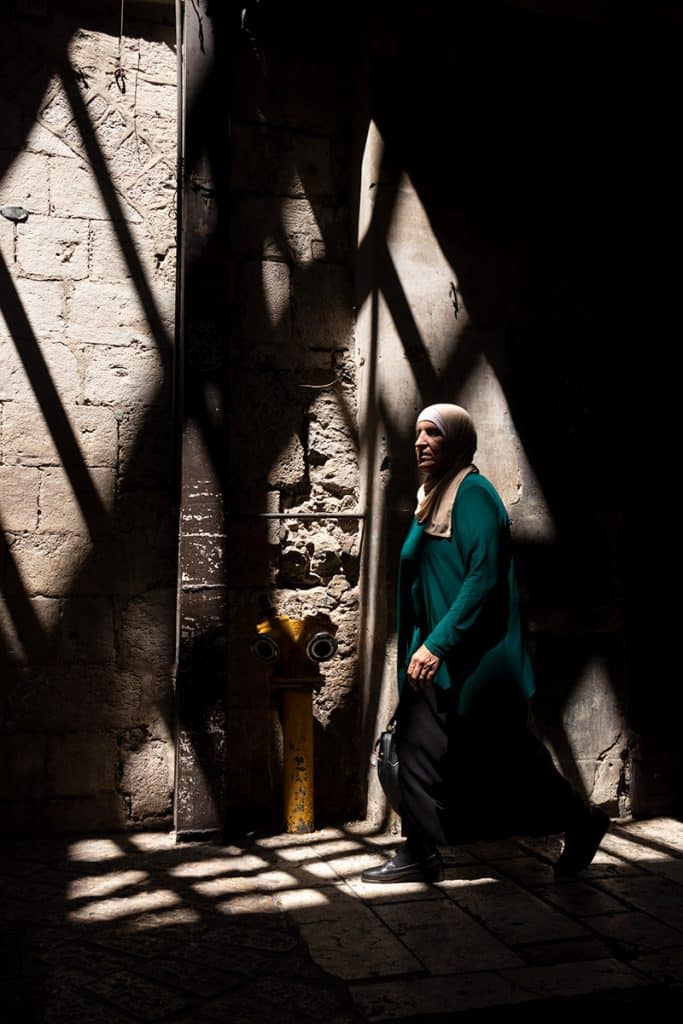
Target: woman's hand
[422,667]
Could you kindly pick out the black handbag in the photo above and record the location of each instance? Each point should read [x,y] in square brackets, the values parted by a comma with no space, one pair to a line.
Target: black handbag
[386,759]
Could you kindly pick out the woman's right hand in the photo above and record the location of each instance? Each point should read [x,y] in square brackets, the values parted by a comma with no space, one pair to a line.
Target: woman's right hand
[423,667]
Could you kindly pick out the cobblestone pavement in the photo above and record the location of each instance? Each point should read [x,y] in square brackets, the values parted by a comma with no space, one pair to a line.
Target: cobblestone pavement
[134,927]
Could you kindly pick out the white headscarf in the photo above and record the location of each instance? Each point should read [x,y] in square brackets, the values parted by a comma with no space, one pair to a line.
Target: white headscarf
[436,496]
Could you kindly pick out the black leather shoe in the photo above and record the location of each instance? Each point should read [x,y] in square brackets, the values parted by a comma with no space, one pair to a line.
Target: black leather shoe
[403,869]
[581,843]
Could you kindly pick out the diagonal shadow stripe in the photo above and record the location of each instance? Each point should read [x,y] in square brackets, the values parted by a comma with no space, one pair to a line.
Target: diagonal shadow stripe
[29,629]
[27,346]
[115,211]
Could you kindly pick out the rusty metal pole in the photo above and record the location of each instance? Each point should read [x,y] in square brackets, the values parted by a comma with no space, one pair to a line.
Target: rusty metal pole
[297,730]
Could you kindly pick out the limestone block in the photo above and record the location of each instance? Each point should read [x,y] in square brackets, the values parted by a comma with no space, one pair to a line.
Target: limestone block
[92,50]
[144,777]
[322,306]
[147,631]
[124,376]
[87,633]
[22,767]
[15,382]
[75,192]
[80,763]
[158,55]
[277,229]
[19,487]
[52,248]
[158,98]
[42,139]
[279,162]
[160,133]
[49,564]
[113,258]
[161,221]
[129,158]
[289,467]
[113,314]
[60,509]
[265,311]
[57,112]
[29,634]
[111,131]
[156,187]
[42,304]
[25,182]
[28,440]
[332,447]
[7,230]
[145,456]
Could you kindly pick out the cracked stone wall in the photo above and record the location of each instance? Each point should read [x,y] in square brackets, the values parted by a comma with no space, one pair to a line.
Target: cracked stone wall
[88,563]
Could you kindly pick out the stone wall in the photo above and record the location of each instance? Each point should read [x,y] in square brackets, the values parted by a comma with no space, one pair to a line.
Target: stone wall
[293,415]
[86,434]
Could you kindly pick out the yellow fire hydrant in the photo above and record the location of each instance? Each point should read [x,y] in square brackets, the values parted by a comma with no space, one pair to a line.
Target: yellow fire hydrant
[295,648]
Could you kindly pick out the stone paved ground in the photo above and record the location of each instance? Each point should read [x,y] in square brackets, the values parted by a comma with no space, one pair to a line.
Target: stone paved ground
[136,928]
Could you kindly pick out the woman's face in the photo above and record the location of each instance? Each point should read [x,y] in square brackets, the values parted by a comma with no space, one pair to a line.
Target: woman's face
[429,447]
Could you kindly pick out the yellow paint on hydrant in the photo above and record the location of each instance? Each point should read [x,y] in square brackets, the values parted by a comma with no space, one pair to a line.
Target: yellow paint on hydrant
[297,728]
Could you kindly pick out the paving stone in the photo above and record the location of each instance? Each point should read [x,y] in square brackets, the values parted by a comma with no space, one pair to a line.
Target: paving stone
[635,850]
[446,939]
[565,951]
[419,997]
[355,944]
[143,999]
[123,906]
[580,899]
[512,914]
[661,833]
[527,871]
[490,852]
[199,978]
[63,1005]
[665,965]
[673,870]
[652,894]
[218,867]
[636,930]
[574,979]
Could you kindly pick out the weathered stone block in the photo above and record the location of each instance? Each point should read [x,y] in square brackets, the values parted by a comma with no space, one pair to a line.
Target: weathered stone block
[57,112]
[7,230]
[265,303]
[128,160]
[158,54]
[25,183]
[61,509]
[52,248]
[41,302]
[289,468]
[145,775]
[49,564]
[75,192]
[29,633]
[79,764]
[22,767]
[15,383]
[147,631]
[124,376]
[160,133]
[322,306]
[145,458]
[111,130]
[87,630]
[156,185]
[42,139]
[113,314]
[28,440]
[19,487]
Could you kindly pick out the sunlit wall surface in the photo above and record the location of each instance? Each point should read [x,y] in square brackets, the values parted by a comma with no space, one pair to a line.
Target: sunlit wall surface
[87,170]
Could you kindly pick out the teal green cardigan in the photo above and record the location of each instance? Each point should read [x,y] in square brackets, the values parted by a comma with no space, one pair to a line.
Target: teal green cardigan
[458,596]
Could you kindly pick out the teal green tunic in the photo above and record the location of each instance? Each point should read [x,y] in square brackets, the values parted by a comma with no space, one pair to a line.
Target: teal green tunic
[458,596]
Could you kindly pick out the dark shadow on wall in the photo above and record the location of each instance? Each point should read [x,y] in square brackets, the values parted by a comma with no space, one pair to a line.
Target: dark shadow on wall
[508,146]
